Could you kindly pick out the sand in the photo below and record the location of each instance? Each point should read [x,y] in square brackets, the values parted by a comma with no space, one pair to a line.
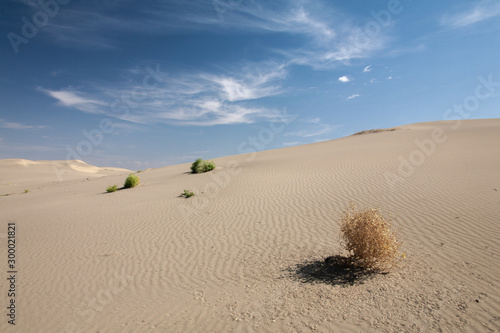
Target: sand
[229,258]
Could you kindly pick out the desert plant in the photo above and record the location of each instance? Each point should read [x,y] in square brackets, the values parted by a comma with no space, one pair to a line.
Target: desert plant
[208,166]
[26,191]
[368,237]
[200,166]
[113,188]
[195,164]
[188,194]
[131,181]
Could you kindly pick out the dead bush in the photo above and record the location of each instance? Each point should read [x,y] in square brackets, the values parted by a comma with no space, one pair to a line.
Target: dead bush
[368,237]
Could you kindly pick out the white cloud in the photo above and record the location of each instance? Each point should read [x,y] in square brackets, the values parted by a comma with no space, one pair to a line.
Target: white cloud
[72,99]
[367,69]
[18,126]
[293,143]
[354,96]
[395,52]
[327,36]
[198,99]
[315,129]
[313,120]
[481,11]
[344,79]
[252,85]
[389,77]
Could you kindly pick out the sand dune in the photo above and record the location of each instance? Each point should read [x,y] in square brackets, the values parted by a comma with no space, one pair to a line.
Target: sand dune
[19,174]
[227,259]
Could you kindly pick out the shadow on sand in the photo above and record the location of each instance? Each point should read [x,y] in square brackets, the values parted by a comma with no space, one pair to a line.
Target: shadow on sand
[335,270]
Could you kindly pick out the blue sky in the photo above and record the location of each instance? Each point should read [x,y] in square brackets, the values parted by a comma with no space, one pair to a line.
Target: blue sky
[140,84]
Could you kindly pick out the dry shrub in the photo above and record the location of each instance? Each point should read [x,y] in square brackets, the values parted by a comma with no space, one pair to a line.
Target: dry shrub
[378,130]
[368,237]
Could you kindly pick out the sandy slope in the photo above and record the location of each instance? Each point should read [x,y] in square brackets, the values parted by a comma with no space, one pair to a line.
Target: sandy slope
[145,259]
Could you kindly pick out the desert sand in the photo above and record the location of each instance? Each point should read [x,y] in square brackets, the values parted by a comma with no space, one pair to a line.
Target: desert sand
[235,257]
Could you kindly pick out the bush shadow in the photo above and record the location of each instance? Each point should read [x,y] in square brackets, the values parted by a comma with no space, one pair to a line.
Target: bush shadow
[334,270]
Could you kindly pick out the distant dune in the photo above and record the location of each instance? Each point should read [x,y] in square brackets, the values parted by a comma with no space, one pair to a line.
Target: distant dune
[228,258]
[18,174]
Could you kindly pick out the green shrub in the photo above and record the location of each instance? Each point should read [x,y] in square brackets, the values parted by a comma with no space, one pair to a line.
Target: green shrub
[187,194]
[195,164]
[200,166]
[26,191]
[131,181]
[113,188]
[208,166]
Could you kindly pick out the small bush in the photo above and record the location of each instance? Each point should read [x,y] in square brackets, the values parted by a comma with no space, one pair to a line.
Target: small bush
[188,194]
[195,164]
[200,166]
[113,188]
[131,181]
[368,237]
[26,191]
[208,166]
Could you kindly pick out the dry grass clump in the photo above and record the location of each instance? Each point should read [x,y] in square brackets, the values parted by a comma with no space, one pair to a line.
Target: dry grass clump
[378,130]
[368,237]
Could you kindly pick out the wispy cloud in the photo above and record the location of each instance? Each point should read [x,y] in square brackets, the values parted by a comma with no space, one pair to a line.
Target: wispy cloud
[18,126]
[324,37]
[293,143]
[123,126]
[327,36]
[344,79]
[198,99]
[395,52]
[315,128]
[367,69]
[251,85]
[354,96]
[315,120]
[72,98]
[478,12]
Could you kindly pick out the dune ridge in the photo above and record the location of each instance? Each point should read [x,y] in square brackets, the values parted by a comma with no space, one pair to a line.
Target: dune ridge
[226,259]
